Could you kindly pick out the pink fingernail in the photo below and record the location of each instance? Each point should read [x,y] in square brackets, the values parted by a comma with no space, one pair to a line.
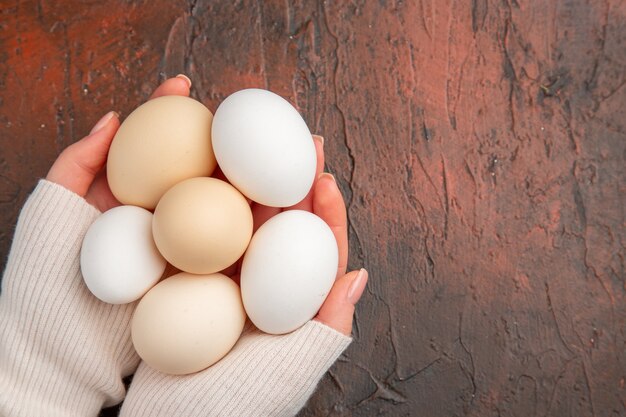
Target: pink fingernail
[357,287]
[104,121]
[184,77]
[326,175]
[319,138]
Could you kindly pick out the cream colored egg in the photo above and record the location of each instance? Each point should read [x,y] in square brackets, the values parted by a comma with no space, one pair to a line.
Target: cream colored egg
[164,141]
[188,322]
[202,225]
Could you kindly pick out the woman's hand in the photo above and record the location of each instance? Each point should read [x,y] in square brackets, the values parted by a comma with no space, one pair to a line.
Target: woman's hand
[81,168]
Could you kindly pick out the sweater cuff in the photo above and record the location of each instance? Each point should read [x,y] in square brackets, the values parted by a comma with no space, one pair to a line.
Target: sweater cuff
[264,375]
[51,202]
[47,241]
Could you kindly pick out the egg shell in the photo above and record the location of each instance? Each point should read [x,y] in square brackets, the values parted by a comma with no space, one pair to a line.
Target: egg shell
[188,322]
[288,270]
[264,147]
[164,141]
[118,259]
[202,225]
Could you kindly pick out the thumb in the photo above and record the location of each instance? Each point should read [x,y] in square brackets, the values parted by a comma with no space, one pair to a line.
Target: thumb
[77,166]
[338,309]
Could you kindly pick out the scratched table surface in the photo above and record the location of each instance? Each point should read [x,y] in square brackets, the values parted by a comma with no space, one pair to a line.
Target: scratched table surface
[480,146]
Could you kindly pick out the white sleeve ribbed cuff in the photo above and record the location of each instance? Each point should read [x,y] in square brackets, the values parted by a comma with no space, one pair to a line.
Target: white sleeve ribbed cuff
[264,375]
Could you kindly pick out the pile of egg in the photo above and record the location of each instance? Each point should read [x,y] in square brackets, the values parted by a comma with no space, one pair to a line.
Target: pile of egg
[159,168]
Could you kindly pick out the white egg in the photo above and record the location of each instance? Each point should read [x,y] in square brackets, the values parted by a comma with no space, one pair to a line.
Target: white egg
[119,259]
[288,271]
[264,147]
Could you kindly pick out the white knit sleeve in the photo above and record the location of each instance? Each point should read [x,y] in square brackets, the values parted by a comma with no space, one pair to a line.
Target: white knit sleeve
[62,351]
[264,375]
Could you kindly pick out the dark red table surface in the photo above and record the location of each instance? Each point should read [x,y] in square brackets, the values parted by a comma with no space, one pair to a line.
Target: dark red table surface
[480,146]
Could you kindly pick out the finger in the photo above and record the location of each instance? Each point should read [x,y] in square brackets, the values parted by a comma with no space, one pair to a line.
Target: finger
[99,194]
[328,204]
[338,309]
[261,214]
[307,202]
[177,86]
[77,166]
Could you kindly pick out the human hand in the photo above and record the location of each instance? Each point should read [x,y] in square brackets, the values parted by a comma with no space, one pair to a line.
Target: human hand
[81,169]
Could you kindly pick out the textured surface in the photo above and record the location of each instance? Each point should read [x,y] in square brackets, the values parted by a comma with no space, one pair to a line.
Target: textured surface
[480,146]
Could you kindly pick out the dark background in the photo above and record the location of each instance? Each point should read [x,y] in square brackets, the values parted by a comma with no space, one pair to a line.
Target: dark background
[480,146]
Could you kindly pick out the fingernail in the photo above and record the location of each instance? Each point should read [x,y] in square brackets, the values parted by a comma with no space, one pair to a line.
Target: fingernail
[184,77]
[357,287]
[320,139]
[104,121]
[326,175]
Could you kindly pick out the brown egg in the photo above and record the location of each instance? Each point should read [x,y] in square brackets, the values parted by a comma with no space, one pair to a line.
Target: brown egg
[202,225]
[188,322]
[161,143]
